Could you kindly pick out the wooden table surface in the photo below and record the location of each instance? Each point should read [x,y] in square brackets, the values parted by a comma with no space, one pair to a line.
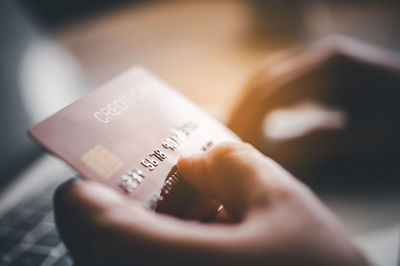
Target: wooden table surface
[199,47]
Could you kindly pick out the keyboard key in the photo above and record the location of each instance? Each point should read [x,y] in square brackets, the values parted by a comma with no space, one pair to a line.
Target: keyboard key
[3,231]
[32,221]
[8,244]
[14,217]
[65,260]
[48,206]
[50,240]
[39,201]
[54,231]
[49,218]
[29,258]
[10,240]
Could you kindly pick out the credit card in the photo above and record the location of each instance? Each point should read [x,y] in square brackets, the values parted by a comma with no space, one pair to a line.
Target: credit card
[129,134]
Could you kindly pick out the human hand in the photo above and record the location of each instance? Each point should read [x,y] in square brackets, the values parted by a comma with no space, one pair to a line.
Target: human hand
[279,221]
[356,86]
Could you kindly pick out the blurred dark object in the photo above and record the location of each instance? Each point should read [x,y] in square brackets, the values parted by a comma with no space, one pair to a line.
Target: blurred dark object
[347,94]
[280,21]
[52,14]
[284,22]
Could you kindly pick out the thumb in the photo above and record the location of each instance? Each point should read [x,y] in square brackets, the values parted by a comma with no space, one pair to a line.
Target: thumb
[230,173]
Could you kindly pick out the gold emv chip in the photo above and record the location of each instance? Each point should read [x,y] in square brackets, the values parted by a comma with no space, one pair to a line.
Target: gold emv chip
[102,161]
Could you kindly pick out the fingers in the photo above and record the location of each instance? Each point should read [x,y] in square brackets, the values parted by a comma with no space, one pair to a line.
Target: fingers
[202,209]
[103,227]
[299,76]
[100,227]
[235,174]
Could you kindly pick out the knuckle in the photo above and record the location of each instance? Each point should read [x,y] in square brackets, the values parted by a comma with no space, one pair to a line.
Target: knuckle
[223,155]
[229,159]
[228,150]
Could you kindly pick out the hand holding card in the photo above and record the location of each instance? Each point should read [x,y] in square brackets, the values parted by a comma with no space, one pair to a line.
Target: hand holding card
[129,134]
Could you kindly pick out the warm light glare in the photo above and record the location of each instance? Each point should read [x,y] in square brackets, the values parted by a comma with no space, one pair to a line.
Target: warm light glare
[301,119]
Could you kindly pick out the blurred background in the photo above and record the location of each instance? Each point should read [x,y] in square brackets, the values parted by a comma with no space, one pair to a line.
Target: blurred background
[219,54]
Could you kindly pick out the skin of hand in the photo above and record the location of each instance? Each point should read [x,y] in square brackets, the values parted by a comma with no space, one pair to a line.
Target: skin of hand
[278,220]
[341,73]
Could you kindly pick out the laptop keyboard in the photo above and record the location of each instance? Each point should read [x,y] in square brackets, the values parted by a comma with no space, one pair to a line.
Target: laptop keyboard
[28,236]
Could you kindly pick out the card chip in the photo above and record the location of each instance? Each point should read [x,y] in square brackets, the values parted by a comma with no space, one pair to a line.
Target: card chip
[102,161]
